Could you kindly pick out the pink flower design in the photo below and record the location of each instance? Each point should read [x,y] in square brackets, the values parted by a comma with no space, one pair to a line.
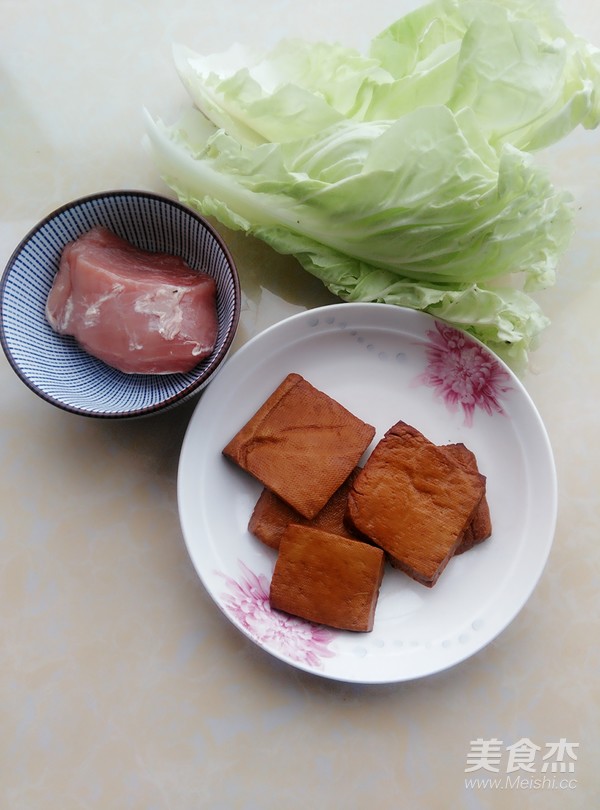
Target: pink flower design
[463,373]
[247,599]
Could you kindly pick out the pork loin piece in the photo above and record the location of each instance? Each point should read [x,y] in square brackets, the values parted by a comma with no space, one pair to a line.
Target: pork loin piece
[327,579]
[414,501]
[140,312]
[271,516]
[480,528]
[301,444]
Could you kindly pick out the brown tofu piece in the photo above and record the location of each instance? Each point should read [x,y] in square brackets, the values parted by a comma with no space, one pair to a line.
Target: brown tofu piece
[271,515]
[327,579]
[414,501]
[301,444]
[480,528]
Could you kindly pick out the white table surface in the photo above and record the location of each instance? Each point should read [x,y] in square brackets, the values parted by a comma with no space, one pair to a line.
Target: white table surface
[121,685]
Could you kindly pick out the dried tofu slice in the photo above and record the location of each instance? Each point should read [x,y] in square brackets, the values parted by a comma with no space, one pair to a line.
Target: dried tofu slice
[327,579]
[301,444]
[414,501]
[480,527]
[271,516]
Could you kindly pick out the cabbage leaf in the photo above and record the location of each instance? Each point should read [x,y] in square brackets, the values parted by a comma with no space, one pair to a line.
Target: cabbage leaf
[404,176]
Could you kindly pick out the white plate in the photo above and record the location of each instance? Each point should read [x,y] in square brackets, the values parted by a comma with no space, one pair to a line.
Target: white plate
[384,364]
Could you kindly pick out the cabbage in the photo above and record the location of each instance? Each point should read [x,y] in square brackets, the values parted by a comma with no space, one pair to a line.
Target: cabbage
[405,176]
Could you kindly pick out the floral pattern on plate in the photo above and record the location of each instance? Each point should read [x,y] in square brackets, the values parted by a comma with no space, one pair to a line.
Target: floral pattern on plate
[463,373]
[247,600]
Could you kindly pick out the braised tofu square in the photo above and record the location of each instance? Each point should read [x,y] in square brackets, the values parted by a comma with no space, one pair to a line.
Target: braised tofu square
[414,501]
[327,579]
[480,527]
[301,444]
[271,516]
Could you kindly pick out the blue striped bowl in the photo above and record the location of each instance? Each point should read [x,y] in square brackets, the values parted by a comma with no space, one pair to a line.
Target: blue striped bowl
[54,366]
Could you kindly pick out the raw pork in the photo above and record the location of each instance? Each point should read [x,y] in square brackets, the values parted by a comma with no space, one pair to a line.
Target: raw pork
[141,312]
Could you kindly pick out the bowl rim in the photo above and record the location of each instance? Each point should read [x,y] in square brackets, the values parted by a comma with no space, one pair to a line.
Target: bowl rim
[185,393]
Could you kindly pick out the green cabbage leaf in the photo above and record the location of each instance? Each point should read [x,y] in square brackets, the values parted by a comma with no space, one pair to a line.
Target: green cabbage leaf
[404,176]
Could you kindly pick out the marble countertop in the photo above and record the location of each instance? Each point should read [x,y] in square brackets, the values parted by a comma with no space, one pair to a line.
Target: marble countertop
[121,684]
